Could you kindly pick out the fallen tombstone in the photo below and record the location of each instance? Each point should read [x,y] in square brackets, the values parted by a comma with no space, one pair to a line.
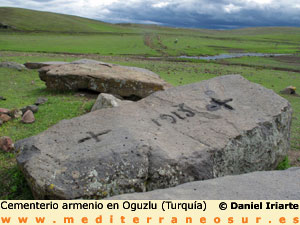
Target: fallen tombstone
[12,65]
[112,79]
[222,126]
[107,101]
[38,65]
[281,185]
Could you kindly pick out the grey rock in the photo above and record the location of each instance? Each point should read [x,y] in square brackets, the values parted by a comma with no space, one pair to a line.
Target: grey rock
[2,98]
[28,117]
[38,65]
[12,65]
[41,101]
[102,78]
[32,108]
[172,137]
[262,185]
[107,101]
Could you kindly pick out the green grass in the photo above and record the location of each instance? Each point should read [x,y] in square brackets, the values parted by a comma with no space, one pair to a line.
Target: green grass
[268,62]
[105,44]
[284,164]
[31,20]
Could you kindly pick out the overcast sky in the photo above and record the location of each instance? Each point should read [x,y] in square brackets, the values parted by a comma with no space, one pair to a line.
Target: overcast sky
[219,14]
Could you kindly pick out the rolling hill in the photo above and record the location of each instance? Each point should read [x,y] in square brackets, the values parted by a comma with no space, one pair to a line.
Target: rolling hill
[31,20]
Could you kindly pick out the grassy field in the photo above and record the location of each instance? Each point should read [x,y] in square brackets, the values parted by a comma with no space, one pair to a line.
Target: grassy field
[73,38]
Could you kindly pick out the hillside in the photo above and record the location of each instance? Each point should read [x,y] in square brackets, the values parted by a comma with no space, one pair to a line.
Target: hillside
[31,20]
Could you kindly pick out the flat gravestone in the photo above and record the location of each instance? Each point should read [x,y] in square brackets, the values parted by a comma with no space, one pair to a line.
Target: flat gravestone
[38,65]
[281,185]
[222,126]
[103,78]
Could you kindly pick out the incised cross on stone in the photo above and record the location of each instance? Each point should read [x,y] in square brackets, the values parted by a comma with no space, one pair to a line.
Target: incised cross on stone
[93,136]
[216,104]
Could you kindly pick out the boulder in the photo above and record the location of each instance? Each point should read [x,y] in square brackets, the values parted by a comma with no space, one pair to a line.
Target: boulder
[28,117]
[103,78]
[222,126]
[262,185]
[12,65]
[107,101]
[38,65]
[6,144]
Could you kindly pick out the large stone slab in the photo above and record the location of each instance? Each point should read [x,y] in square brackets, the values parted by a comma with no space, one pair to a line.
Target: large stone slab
[102,77]
[38,65]
[263,185]
[183,134]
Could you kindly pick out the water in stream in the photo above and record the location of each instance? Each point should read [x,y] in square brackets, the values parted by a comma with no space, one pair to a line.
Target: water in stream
[228,56]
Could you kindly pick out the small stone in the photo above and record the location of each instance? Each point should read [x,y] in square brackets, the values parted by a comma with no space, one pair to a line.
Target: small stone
[106,101]
[28,117]
[2,98]
[15,113]
[5,118]
[6,144]
[41,101]
[4,111]
[32,108]
[290,90]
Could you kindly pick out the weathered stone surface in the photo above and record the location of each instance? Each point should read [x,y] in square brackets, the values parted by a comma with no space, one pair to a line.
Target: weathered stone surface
[263,185]
[12,65]
[91,61]
[103,78]
[107,101]
[6,144]
[169,138]
[38,65]
[28,117]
